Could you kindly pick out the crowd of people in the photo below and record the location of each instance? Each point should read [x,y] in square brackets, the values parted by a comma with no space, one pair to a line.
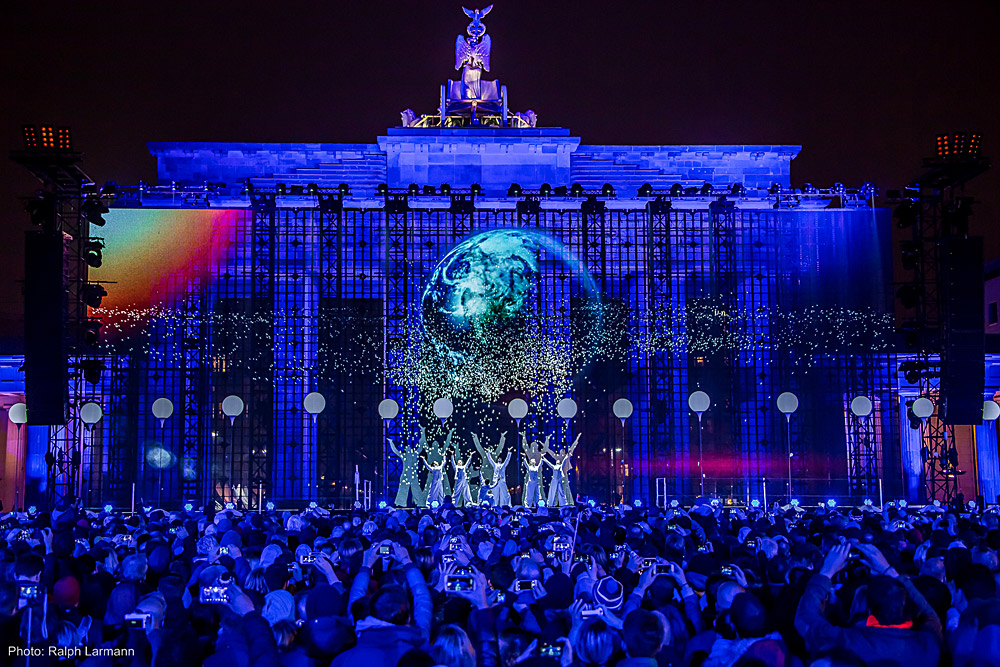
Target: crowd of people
[493,586]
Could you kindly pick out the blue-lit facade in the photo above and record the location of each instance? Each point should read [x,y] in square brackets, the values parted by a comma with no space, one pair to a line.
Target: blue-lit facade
[297,263]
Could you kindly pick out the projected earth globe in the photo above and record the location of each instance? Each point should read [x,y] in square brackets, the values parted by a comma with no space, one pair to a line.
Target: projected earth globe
[503,286]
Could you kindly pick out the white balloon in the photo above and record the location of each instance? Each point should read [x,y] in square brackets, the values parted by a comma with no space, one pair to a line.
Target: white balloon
[232,406]
[90,413]
[388,409]
[923,408]
[314,403]
[518,408]
[699,402]
[566,408]
[622,408]
[163,408]
[861,406]
[788,403]
[990,410]
[443,408]
[18,413]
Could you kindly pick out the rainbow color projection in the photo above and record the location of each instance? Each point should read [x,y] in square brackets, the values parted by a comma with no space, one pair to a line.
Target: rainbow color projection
[272,305]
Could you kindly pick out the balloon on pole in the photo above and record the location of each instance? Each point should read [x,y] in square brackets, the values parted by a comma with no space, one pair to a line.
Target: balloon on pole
[314,403]
[232,407]
[699,402]
[923,408]
[622,409]
[788,403]
[162,409]
[18,415]
[90,413]
[443,409]
[518,409]
[861,406]
[388,409]
[567,408]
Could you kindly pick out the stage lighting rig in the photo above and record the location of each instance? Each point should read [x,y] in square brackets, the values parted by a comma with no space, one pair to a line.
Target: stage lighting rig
[514,190]
[706,190]
[47,138]
[608,190]
[576,190]
[676,190]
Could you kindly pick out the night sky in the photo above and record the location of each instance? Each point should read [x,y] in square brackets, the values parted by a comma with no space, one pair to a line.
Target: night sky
[863,86]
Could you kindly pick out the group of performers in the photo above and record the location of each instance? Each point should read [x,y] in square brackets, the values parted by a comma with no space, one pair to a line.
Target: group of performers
[492,488]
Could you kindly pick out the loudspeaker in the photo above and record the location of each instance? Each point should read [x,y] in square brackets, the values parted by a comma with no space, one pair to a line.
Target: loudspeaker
[962,366]
[46,377]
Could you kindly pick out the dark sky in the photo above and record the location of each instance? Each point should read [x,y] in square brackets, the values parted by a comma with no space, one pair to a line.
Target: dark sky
[863,86]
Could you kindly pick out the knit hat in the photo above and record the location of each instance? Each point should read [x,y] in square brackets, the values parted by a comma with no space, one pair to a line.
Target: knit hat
[608,592]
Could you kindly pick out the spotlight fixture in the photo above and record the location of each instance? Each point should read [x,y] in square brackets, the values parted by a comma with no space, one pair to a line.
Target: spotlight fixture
[638,503]
[737,190]
[645,190]
[910,253]
[430,190]
[755,503]
[795,502]
[92,332]
[42,210]
[775,189]
[188,507]
[382,190]
[435,504]
[576,190]
[608,190]
[809,189]
[269,506]
[831,503]
[91,370]
[476,189]
[545,190]
[108,508]
[230,506]
[280,188]
[92,253]
[413,189]
[312,189]
[541,503]
[344,189]
[514,190]
[445,189]
[909,296]
[382,504]
[706,190]
[676,190]
[906,214]
[92,294]
[313,505]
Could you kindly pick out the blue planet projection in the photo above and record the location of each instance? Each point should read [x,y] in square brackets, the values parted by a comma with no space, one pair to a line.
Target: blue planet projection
[508,291]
